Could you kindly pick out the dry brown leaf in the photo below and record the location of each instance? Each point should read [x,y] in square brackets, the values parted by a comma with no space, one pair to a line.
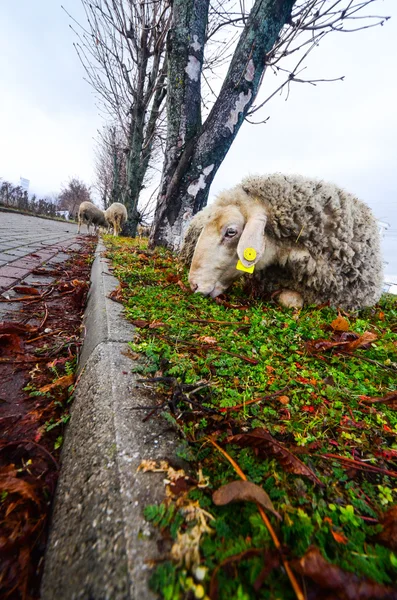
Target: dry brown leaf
[116,295]
[182,286]
[141,323]
[265,444]
[283,399]
[366,338]
[12,484]
[390,400]
[340,324]
[339,537]
[63,382]
[10,327]
[346,342]
[10,343]
[314,346]
[156,325]
[243,491]
[24,289]
[205,339]
[343,584]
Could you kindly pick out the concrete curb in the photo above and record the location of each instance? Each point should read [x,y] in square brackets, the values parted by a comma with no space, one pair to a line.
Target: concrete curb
[99,541]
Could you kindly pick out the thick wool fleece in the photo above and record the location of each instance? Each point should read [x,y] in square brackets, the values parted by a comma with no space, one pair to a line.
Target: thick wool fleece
[91,214]
[116,215]
[343,262]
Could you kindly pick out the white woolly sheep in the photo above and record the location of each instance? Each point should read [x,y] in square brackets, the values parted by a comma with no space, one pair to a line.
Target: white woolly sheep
[116,215]
[143,230]
[307,237]
[91,215]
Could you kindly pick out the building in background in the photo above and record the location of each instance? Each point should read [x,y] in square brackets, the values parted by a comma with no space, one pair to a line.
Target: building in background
[24,183]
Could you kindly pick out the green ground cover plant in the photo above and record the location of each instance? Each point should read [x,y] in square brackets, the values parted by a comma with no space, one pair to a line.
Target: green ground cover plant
[298,408]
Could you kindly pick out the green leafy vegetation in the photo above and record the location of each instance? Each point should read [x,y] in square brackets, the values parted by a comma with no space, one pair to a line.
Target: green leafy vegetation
[304,403]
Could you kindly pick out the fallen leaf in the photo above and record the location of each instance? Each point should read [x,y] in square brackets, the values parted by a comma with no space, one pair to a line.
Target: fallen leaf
[205,339]
[116,295]
[339,537]
[24,289]
[347,342]
[284,399]
[340,324]
[390,400]
[265,444]
[10,343]
[343,584]
[243,491]
[180,485]
[63,382]
[182,286]
[364,340]
[156,325]
[10,327]
[314,346]
[140,323]
[12,484]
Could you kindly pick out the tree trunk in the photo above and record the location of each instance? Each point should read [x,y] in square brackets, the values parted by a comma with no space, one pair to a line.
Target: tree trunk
[115,193]
[185,52]
[187,178]
[142,133]
[137,125]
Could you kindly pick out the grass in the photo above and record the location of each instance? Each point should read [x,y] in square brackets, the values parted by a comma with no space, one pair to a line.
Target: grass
[299,417]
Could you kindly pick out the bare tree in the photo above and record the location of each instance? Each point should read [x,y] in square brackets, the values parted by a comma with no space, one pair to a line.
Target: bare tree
[13,196]
[110,164]
[123,53]
[72,195]
[273,34]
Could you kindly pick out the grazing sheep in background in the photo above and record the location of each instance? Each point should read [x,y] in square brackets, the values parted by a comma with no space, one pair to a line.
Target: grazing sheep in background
[116,215]
[309,238]
[143,230]
[91,215]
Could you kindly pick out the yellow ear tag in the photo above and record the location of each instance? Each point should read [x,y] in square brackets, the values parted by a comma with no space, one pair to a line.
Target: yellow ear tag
[249,254]
[241,267]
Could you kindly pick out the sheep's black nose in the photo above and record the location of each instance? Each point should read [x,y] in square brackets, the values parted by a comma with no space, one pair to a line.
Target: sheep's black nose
[194,286]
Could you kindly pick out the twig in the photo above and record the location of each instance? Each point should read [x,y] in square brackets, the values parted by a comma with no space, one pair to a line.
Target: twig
[357,464]
[291,576]
[370,360]
[238,406]
[45,316]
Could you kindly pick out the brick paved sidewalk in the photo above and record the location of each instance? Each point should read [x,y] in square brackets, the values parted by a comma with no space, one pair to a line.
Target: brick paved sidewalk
[28,242]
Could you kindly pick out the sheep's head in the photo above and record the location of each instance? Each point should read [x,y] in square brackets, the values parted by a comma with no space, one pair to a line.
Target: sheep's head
[232,241]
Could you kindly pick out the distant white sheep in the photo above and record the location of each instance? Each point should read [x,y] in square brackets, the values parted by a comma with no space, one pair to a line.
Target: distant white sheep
[91,215]
[143,230]
[116,215]
[310,239]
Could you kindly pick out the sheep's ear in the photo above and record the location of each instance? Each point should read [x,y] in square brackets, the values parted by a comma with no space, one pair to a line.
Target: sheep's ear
[252,242]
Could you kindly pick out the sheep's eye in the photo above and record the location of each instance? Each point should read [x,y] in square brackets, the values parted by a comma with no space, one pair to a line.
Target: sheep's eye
[230,232]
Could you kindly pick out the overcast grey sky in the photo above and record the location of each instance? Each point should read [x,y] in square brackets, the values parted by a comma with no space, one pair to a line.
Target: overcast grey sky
[345,132]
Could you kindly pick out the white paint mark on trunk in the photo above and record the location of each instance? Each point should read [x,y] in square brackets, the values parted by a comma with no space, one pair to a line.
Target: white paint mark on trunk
[250,70]
[208,169]
[196,45]
[193,68]
[200,183]
[241,103]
